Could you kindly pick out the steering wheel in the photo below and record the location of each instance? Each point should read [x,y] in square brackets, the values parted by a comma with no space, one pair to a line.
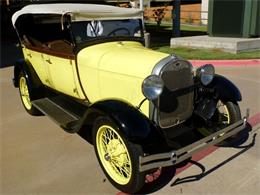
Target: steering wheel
[119,29]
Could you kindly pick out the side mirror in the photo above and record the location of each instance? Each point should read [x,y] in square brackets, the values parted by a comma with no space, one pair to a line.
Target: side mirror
[18,45]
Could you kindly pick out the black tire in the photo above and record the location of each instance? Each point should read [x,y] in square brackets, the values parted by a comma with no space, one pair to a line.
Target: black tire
[234,115]
[26,96]
[131,183]
[234,111]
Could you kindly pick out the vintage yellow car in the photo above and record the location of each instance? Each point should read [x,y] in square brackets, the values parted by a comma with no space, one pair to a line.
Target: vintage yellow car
[86,67]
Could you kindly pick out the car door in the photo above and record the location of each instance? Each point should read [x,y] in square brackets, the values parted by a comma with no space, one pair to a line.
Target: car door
[52,47]
[35,58]
[61,69]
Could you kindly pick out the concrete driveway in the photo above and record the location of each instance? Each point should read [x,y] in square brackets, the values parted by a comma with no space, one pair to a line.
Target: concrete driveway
[37,157]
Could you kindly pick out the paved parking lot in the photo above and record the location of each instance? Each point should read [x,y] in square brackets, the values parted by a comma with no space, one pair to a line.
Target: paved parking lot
[37,157]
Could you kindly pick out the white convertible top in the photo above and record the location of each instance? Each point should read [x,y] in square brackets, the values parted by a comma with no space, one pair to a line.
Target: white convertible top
[80,12]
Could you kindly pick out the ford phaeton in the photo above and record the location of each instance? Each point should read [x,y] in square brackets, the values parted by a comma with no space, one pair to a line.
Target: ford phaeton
[86,67]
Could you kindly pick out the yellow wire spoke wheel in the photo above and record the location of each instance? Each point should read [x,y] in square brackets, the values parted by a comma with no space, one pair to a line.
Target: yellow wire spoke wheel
[228,113]
[113,154]
[26,96]
[224,118]
[117,155]
[25,93]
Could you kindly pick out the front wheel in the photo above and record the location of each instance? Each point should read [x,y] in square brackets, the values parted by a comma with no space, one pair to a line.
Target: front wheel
[226,114]
[118,157]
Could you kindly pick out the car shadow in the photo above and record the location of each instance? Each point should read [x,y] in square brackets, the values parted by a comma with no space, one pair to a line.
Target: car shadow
[168,173]
[204,173]
[243,137]
[85,133]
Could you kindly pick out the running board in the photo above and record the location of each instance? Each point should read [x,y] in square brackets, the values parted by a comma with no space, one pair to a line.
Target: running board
[66,113]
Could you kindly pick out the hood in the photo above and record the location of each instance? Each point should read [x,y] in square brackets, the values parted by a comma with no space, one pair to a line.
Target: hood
[126,58]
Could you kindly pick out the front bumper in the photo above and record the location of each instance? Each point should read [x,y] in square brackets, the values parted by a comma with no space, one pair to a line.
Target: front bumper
[176,156]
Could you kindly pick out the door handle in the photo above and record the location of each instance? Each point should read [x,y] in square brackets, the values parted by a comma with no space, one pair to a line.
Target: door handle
[49,61]
[29,55]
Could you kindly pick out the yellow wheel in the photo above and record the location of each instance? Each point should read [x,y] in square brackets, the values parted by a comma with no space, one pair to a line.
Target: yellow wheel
[24,92]
[118,157]
[220,119]
[226,114]
[114,154]
[25,95]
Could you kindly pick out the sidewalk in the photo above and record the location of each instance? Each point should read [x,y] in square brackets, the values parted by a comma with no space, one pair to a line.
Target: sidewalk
[243,62]
[228,44]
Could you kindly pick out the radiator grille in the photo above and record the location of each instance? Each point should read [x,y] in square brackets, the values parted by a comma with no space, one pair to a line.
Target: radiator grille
[176,102]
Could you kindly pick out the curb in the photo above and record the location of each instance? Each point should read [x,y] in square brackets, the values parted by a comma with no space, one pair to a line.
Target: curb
[251,62]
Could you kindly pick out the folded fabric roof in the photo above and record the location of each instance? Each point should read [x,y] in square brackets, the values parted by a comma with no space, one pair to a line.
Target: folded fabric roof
[80,12]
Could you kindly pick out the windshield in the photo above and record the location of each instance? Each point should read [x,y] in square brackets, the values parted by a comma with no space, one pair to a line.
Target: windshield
[86,30]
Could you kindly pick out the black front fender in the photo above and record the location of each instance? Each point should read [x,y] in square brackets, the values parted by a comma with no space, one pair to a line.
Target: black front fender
[135,126]
[225,89]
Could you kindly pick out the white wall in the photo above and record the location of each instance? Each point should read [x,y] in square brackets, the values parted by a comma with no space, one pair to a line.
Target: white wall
[204,7]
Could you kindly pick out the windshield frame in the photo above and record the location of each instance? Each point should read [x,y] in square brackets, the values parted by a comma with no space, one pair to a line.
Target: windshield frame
[105,39]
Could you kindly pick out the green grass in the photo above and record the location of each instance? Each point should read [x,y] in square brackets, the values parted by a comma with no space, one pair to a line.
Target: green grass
[168,27]
[160,41]
[193,28]
[207,54]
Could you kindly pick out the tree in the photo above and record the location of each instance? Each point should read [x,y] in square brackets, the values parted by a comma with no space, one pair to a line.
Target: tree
[158,15]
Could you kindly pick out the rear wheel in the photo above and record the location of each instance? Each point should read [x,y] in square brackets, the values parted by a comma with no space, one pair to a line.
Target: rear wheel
[226,114]
[118,157]
[26,96]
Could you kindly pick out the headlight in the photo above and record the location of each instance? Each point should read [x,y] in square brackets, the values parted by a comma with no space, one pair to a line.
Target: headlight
[206,73]
[152,87]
